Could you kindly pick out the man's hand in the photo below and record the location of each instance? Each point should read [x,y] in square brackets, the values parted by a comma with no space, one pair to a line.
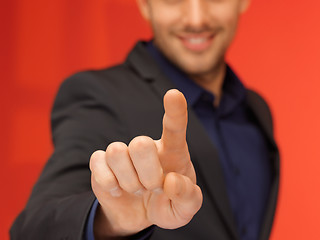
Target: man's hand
[149,181]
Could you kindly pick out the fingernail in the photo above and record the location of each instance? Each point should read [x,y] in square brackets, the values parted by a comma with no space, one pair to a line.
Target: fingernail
[115,192]
[139,192]
[157,190]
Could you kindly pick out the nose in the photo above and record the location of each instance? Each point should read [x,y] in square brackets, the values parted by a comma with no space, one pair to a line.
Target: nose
[195,13]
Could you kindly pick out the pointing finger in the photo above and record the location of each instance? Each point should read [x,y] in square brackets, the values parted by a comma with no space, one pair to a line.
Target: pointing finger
[174,121]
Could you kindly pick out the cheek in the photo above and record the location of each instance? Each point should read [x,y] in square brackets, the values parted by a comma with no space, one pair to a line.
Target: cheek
[228,25]
[162,14]
[225,15]
[161,27]
[165,19]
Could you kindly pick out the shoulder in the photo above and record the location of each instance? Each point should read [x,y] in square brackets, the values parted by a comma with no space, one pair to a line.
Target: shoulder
[256,97]
[96,78]
[97,84]
[87,91]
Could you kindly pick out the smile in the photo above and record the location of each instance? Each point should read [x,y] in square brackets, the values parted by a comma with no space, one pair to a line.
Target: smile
[197,43]
[196,40]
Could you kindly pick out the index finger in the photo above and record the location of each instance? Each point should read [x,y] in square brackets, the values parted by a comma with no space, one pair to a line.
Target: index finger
[175,120]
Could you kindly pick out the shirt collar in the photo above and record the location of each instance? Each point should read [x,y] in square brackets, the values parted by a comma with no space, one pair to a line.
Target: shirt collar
[233,89]
[234,93]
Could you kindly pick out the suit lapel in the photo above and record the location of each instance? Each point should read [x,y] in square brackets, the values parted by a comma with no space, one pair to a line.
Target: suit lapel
[206,161]
[204,154]
[263,117]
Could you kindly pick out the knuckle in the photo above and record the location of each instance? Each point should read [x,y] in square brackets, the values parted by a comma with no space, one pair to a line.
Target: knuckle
[140,142]
[116,148]
[95,158]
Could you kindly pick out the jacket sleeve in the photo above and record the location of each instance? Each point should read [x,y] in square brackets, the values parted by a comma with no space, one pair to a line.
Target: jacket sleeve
[85,118]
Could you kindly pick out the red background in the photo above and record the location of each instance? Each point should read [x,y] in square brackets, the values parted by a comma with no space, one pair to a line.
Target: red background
[275,52]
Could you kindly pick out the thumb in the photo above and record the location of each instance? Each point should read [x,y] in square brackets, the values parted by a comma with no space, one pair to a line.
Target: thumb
[185,196]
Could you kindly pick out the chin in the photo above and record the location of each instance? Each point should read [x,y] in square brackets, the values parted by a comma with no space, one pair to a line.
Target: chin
[194,70]
[197,67]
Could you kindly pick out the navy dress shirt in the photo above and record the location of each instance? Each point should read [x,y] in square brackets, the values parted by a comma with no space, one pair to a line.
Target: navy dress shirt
[241,145]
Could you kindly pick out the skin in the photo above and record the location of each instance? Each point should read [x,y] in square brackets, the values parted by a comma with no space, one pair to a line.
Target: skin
[159,185]
[174,22]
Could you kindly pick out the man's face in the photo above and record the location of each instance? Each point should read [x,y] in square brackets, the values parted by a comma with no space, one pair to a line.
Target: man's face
[193,34]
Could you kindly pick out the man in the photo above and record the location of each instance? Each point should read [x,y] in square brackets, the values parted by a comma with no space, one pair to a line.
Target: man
[151,181]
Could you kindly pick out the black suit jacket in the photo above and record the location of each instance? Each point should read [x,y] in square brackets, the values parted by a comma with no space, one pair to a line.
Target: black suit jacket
[93,109]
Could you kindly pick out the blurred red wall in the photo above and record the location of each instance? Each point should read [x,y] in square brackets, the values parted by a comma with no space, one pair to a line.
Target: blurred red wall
[276,52]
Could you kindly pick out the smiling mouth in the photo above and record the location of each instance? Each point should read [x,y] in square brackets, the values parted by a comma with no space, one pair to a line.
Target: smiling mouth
[196,40]
[197,43]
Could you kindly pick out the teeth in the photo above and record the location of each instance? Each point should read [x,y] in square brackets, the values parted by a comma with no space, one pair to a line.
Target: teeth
[196,40]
